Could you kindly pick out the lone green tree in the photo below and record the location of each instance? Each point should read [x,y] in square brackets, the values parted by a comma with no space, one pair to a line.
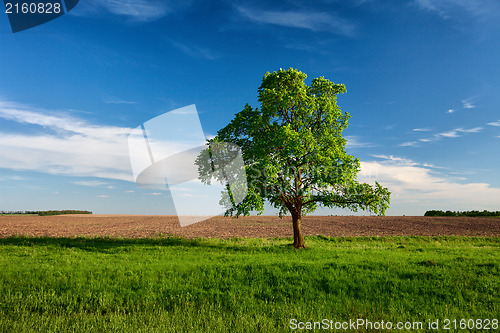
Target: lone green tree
[294,152]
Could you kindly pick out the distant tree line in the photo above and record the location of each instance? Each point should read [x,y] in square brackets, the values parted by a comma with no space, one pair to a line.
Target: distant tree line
[466,213]
[62,212]
[45,212]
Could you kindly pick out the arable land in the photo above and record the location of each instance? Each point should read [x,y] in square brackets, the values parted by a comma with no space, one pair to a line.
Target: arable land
[144,226]
[125,273]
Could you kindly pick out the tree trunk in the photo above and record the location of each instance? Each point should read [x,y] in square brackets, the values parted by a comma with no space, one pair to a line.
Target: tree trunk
[298,237]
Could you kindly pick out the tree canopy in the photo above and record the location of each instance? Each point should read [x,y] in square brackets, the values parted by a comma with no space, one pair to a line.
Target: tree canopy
[294,151]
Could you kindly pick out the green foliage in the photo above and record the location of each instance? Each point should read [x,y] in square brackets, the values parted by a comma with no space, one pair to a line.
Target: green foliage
[241,285]
[45,212]
[471,213]
[62,212]
[294,150]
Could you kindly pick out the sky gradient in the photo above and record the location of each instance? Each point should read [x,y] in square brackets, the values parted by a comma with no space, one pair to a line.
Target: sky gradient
[422,80]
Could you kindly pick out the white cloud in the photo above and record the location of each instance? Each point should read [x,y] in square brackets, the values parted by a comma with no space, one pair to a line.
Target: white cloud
[429,165]
[133,10]
[449,134]
[314,21]
[103,196]
[116,100]
[209,136]
[421,130]
[470,130]
[405,161]
[455,133]
[479,9]
[496,123]
[68,145]
[420,188]
[354,142]
[396,159]
[468,103]
[409,144]
[91,183]
[61,123]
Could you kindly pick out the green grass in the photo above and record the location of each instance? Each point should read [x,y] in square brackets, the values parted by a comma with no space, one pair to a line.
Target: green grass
[241,285]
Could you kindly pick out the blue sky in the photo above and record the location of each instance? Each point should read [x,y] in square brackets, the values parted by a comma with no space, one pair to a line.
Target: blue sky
[422,80]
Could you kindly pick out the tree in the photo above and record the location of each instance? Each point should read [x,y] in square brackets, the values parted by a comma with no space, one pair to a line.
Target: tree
[294,152]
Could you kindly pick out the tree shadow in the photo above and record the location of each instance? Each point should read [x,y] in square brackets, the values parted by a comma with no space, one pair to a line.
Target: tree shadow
[109,244]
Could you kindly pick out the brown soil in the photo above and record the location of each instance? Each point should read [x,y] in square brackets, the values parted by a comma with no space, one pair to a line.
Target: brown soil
[139,226]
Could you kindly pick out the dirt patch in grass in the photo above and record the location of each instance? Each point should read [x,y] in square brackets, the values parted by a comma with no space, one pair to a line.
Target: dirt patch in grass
[141,226]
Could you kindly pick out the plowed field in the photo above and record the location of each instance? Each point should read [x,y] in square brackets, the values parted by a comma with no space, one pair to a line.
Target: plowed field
[142,226]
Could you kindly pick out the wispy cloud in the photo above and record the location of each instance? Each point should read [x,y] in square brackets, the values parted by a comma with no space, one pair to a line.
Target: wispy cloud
[455,133]
[355,142]
[392,158]
[449,134]
[15,178]
[92,183]
[421,130]
[468,103]
[195,51]
[409,144]
[478,9]
[63,145]
[310,20]
[496,123]
[133,10]
[116,100]
[59,122]
[405,161]
[470,130]
[66,145]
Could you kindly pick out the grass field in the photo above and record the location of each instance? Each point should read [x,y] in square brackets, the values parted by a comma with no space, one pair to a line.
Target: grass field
[242,285]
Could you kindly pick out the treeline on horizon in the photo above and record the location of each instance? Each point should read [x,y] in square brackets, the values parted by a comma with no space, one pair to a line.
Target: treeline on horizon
[471,213]
[45,212]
